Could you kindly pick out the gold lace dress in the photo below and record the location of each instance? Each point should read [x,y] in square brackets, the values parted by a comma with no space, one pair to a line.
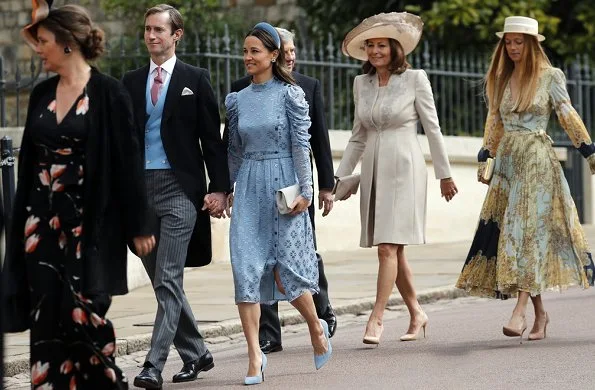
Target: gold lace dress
[529,237]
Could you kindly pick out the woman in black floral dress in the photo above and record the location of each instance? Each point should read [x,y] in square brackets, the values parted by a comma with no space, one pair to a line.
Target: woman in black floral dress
[62,240]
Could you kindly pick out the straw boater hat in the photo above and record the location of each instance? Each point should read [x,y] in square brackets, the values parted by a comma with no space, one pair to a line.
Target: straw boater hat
[40,11]
[522,25]
[401,26]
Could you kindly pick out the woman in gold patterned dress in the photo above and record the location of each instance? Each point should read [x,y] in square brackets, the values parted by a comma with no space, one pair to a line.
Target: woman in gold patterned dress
[529,237]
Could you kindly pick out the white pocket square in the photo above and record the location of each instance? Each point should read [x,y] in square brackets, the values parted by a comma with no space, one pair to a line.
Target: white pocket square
[187,91]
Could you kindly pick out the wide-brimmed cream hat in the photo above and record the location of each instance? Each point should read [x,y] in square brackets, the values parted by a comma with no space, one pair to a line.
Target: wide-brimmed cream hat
[402,26]
[521,25]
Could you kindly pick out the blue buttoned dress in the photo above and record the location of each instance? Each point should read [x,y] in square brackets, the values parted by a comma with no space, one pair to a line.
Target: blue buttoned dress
[268,150]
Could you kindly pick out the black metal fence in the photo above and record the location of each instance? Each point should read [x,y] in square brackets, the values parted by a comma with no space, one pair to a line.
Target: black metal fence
[456,80]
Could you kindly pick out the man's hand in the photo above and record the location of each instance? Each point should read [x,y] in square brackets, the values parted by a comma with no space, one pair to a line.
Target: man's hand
[144,244]
[325,199]
[216,203]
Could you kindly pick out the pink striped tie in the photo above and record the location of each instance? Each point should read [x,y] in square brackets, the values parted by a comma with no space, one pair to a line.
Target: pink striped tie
[157,83]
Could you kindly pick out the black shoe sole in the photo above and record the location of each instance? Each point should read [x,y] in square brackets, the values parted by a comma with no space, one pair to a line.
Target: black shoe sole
[146,385]
[206,368]
[278,348]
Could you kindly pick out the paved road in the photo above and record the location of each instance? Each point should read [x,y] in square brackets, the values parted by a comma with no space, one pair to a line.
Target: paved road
[465,349]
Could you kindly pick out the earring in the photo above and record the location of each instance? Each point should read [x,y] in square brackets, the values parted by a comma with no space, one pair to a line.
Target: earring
[274,60]
[67,50]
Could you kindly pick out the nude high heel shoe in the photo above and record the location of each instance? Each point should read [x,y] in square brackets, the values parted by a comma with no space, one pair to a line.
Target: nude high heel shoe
[414,336]
[537,336]
[511,332]
[374,340]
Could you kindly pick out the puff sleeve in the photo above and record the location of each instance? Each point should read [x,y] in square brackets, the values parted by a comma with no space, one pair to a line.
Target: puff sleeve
[234,148]
[569,118]
[299,123]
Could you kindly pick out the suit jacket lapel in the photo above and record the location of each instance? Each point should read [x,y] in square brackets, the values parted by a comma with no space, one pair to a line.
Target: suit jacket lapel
[174,91]
[140,98]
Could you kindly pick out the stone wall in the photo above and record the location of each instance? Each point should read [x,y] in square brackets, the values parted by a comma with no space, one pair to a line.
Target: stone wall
[14,14]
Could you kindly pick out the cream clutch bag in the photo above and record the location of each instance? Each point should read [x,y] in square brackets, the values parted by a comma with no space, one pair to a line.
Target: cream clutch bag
[285,197]
[489,169]
[346,184]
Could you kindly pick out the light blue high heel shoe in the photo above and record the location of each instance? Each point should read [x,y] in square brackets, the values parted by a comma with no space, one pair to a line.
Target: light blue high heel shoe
[320,360]
[255,380]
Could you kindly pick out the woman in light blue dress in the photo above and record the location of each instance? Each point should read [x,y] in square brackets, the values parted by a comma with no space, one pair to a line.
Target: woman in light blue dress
[272,254]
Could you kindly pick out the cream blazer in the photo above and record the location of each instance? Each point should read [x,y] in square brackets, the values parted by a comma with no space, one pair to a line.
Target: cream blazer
[393,172]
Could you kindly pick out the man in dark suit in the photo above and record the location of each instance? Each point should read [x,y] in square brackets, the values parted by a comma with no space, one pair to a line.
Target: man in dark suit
[270,328]
[1,294]
[175,108]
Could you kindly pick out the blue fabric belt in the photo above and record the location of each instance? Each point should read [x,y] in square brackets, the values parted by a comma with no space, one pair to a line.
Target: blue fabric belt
[265,155]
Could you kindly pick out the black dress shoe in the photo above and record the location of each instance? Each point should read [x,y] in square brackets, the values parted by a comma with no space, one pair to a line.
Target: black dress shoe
[331,320]
[191,370]
[149,378]
[267,347]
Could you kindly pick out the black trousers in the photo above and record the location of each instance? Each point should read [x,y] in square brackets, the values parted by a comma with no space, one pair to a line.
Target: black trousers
[270,327]
[1,336]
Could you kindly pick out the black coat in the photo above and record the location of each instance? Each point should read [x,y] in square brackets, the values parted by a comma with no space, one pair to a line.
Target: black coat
[115,197]
[319,139]
[191,136]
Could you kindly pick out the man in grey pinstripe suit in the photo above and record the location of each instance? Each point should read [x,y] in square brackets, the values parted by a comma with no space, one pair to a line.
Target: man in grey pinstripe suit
[175,108]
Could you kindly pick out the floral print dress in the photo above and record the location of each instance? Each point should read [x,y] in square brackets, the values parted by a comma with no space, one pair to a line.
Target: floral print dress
[529,236]
[72,344]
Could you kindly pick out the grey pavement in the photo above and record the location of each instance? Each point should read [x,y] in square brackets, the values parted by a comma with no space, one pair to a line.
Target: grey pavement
[352,286]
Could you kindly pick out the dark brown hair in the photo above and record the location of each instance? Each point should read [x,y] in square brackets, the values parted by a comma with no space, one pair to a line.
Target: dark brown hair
[280,69]
[72,26]
[398,62]
[175,18]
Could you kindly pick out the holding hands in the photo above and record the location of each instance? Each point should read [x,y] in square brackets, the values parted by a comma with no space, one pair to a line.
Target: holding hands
[217,204]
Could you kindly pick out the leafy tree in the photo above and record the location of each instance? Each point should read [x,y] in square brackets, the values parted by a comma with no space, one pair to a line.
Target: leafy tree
[200,16]
[469,24]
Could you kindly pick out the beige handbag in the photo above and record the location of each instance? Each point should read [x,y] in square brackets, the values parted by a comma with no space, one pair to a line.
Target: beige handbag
[346,184]
[285,197]
[489,169]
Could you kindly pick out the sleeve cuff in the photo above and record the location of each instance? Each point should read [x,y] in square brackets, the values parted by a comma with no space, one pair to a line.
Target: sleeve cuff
[591,161]
[480,169]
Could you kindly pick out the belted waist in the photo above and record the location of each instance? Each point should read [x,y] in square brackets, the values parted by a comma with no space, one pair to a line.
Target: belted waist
[266,155]
[539,133]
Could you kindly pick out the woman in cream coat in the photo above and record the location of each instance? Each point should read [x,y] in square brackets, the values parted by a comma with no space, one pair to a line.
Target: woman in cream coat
[390,99]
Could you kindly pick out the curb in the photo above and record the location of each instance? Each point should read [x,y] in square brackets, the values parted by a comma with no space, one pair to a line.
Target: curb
[126,346]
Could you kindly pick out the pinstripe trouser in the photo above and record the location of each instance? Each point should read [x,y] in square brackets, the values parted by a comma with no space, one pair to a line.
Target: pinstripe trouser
[176,216]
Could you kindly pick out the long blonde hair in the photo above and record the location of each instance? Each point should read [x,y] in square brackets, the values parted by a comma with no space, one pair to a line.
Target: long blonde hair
[533,61]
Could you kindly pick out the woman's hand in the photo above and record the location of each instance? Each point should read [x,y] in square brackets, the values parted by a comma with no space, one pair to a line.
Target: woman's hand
[484,181]
[347,195]
[229,205]
[448,188]
[299,205]
[144,244]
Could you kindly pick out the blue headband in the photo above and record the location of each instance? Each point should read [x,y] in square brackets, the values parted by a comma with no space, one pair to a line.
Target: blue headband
[264,26]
